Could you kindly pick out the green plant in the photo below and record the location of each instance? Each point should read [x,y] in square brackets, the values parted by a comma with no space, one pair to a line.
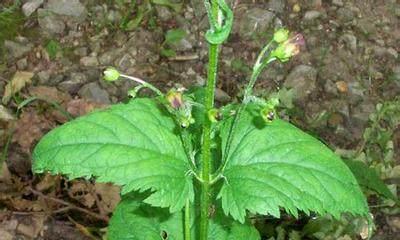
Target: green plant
[191,171]
[172,36]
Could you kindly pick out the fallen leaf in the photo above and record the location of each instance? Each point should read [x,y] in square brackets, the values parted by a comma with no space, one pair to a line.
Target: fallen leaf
[5,115]
[80,191]
[30,128]
[50,93]
[31,226]
[109,197]
[79,107]
[19,81]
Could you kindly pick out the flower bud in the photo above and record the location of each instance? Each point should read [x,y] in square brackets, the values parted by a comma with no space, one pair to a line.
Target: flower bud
[175,99]
[289,48]
[268,114]
[214,115]
[281,35]
[111,74]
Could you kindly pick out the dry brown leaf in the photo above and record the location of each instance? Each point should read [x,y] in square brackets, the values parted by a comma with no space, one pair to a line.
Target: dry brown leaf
[30,128]
[31,226]
[80,191]
[19,81]
[47,182]
[79,107]
[109,197]
[50,93]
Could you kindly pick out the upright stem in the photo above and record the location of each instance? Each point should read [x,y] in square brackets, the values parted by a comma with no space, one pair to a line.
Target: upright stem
[187,220]
[206,137]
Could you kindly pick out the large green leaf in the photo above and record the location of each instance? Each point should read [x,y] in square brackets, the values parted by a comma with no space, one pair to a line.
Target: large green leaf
[369,179]
[133,145]
[275,165]
[133,220]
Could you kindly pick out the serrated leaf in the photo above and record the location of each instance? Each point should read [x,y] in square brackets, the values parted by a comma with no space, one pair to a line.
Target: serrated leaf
[369,179]
[132,145]
[276,165]
[133,220]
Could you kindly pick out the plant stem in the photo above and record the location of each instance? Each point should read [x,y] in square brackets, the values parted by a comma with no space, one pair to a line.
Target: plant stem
[144,83]
[206,136]
[187,220]
[257,69]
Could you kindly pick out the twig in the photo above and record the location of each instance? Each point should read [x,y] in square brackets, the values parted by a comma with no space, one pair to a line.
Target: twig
[70,205]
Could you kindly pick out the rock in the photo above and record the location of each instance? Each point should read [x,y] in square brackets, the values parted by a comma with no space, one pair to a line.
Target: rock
[276,5]
[182,45]
[16,50]
[302,80]
[163,13]
[30,7]
[73,83]
[5,114]
[89,61]
[109,56]
[22,64]
[125,62]
[50,23]
[356,92]
[312,15]
[92,91]
[71,8]
[350,40]
[43,76]
[338,3]
[255,21]
[345,15]
[221,96]
[82,51]
[396,74]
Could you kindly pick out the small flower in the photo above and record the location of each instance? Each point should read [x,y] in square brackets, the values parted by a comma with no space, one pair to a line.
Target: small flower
[111,74]
[289,48]
[281,35]
[175,99]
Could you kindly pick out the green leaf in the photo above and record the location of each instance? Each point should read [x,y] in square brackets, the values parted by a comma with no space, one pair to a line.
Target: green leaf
[166,52]
[175,6]
[52,48]
[276,165]
[369,179]
[133,220]
[174,35]
[133,145]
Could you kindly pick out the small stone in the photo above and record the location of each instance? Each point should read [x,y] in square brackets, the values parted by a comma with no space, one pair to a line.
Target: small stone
[182,45]
[221,96]
[73,83]
[22,64]
[67,7]
[92,91]
[114,16]
[276,5]
[16,50]
[342,86]
[82,51]
[345,15]
[312,15]
[255,21]
[338,3]
[296,8]
[50,23]
[30,7]
[125,62]
[302,79]
[351,42]
[89,61]
[163,13]
[5,114]
[43,76]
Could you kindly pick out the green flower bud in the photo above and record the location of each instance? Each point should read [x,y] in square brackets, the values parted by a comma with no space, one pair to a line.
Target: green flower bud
[268,114]
[281,35]
[214,115]
[289,48]
[111,74]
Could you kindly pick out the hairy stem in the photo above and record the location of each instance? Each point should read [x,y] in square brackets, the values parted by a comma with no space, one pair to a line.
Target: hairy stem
[206,137]
[187,220]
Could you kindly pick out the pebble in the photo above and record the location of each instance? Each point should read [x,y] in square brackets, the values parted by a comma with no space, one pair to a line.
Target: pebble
[31,6]
[302,79]
[89,61]
[92,91]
